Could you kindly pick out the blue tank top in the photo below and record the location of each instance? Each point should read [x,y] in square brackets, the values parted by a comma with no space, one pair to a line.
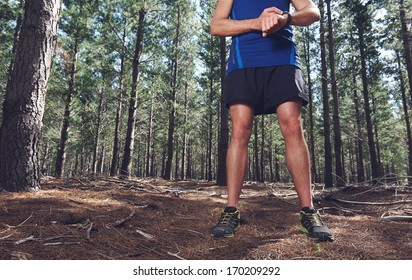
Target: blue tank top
[251,50]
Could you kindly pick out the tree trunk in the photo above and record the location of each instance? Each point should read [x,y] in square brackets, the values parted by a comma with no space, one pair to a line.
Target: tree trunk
[406,117]
[210,133]
[406,43]
[126,167]
[277,165]
[224,119]
[172,114]
[184,143]
[149,139]
[359,139]
[23,106]
[311,122]
[371,141]
[256,151]
[262,149]
[115,153]
[97,132]
[64,132]
[326,111]
[336,118]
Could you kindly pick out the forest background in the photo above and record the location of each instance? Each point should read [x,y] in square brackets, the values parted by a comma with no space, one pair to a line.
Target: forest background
[136,88]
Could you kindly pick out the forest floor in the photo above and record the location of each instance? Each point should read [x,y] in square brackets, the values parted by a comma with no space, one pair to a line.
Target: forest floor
[110,218]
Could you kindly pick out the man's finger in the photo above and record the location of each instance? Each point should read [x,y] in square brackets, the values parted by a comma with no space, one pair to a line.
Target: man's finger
[273,10]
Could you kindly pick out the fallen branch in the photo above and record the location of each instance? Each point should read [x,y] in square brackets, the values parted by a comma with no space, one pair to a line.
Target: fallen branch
[125,220]
[61,243]
[30,238]
[88,232]
[146,235]
[7,236]
[176,255]
[369,203]
[397,218]
[22,223]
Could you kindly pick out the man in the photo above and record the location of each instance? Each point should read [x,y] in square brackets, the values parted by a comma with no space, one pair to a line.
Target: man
[264,77]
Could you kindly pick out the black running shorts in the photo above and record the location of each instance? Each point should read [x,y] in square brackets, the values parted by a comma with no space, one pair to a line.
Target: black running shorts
[266,88]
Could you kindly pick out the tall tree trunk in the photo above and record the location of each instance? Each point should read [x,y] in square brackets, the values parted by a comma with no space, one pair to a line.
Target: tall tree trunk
[262,149]
[149,139]
[270,155]
[311,122]
[23,106]
[115,153]
[97,132]
[127,161]
[336,118]
[406,117]
[277,165]
[210,122]
[184,144]
[326,111]
[256,151]
[64,132]
[359,139]
[371,141]
[406,43]
[224,119]
[172,114]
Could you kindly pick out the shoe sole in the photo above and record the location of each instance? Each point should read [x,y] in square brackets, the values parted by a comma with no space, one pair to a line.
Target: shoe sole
[226,235]
[325,238]
[223,236]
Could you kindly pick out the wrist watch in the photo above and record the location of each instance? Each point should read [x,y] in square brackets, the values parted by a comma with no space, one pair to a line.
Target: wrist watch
[289,19]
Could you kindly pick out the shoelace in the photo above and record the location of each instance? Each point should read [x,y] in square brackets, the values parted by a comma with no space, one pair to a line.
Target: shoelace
[227,218]
[314,219]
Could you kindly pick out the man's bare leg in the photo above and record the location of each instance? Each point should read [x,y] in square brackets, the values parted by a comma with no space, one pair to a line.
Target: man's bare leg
[237,154]
[297,157]
[236,163]
[297,153]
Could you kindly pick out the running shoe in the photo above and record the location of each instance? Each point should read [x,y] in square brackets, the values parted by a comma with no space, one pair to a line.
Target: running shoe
[313,226]
[228,223]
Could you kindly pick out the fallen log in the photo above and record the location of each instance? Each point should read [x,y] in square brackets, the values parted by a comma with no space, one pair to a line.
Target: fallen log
[397,218]
[368,203]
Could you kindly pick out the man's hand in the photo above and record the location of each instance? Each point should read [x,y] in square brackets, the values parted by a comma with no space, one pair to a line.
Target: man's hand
[272,20]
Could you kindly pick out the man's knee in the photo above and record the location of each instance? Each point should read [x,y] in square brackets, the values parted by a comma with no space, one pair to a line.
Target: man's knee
[291,127]
[241,134]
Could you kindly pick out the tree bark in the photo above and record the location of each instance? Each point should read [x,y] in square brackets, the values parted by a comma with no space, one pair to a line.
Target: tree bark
[371,141]
[360,169]
[126,167]
[311,122]
[64,132]
[326,110]
[406,43]
[210,121]
[97,132]
[336,118]
[24,102]
[223,141]
[256,151]
[172,114]
[184,140]
[115,153]
[262,149]
[406,117]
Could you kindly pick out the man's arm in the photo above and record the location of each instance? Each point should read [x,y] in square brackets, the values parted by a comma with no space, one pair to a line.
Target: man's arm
[222,25]
[270,21]
[306,13]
